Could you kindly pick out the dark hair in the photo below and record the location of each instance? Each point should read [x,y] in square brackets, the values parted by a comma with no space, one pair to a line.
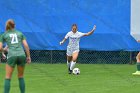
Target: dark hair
[10,24]
[74,25]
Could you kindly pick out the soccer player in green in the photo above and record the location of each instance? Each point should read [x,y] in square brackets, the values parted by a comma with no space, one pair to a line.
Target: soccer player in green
[16,54]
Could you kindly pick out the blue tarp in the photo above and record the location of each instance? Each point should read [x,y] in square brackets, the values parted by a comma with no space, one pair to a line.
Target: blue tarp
[45,22]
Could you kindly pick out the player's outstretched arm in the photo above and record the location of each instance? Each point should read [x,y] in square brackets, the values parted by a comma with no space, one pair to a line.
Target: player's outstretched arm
[89,33]
[138,41]
[28,59]
[63,41]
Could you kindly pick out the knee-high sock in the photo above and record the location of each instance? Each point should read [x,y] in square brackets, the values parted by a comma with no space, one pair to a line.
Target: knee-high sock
[68,64]
[22,85]
[72,65]
[7,86]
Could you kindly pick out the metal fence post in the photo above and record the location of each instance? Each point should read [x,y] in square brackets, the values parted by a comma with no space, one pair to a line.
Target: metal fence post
[51,57]
[130,59]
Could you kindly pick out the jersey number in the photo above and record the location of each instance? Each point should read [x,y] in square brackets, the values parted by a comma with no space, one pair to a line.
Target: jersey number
[14,38]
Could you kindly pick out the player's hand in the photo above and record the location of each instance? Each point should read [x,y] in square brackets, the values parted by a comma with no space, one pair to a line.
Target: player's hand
[5,49]
[138,41]
[94,27]
[3,56]
[28,60]
[60,43]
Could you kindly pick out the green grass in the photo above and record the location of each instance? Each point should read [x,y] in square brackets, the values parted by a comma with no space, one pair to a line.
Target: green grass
[94,78]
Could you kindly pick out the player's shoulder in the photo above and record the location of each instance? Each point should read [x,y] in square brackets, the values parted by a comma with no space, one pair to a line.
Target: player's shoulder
[79,32]
[4,33]
[18,32]
[69,33]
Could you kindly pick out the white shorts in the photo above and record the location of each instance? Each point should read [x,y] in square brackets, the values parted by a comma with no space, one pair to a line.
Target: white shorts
[70,51]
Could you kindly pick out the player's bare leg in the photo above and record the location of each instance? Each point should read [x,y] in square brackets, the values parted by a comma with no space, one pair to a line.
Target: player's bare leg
[74,58]
[69,59]
[9,71]
[138,65]
[21,79]
[20,71]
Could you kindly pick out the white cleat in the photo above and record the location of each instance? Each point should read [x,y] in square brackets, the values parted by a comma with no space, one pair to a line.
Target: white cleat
[137,73]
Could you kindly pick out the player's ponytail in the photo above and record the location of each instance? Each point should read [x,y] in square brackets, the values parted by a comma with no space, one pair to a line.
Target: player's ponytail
[10,24]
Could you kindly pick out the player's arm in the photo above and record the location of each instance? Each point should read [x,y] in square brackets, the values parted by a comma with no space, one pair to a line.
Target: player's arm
[24,42]
[138,41]
[1,48]
[67,35]
[63,41]
[89,33]
[2,51]
[5,49]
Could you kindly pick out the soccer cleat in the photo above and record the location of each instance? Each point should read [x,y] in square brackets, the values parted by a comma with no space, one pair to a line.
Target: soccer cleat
[70,71]
[136,73]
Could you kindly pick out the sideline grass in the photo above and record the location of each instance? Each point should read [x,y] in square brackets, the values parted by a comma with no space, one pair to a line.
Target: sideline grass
[94,78]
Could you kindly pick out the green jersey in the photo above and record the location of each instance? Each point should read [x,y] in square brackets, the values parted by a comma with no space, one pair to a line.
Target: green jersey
[14,39]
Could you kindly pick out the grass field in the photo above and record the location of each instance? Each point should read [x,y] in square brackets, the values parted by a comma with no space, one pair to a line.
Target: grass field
[94,78]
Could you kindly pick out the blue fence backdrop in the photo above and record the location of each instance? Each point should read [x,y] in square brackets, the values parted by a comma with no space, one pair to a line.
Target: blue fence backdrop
[45,22]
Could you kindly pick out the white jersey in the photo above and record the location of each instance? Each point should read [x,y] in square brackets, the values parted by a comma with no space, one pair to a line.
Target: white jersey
[74,39]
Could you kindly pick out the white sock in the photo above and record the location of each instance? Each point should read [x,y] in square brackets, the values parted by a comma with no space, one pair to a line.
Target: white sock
[68,64]
[72,65]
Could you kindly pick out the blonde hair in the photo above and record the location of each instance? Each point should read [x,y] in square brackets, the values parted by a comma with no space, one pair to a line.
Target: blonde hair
[10,24]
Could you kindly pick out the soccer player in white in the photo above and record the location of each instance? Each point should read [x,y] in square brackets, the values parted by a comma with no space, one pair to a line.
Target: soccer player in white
[73,46]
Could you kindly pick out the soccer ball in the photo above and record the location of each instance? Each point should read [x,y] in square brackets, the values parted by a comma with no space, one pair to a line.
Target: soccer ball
[76,71]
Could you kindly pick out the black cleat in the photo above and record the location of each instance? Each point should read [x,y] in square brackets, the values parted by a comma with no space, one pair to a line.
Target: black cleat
[70,71]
